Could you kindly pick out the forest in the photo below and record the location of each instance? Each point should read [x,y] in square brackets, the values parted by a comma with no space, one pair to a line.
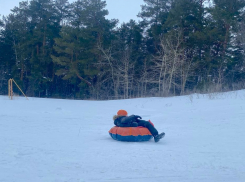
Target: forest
[57,49]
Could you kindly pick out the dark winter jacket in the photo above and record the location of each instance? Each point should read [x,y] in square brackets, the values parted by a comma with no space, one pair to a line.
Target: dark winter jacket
[125,121]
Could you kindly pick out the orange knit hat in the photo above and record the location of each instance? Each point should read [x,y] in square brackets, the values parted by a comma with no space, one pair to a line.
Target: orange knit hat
[122,113]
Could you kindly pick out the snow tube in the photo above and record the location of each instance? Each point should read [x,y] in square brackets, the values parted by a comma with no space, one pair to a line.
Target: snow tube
[130,134]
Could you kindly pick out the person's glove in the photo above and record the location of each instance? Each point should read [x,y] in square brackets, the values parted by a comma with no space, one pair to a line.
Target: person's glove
[137,117]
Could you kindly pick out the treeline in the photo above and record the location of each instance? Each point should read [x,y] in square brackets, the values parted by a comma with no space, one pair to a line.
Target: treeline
[71,50]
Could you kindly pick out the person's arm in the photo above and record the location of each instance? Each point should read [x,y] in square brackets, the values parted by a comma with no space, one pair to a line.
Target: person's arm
[128,119]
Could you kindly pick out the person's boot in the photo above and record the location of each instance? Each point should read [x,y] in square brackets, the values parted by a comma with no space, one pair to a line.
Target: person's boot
[158,137]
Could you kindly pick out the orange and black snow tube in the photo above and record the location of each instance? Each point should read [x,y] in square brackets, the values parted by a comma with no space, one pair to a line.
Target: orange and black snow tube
[130,134]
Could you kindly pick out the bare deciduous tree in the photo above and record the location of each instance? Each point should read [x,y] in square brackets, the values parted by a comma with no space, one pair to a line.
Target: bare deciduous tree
[109,61]
[167,61]
[172,64]
[120,69]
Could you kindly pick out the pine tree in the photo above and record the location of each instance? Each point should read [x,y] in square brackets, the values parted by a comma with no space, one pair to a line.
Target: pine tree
[154,15]
[44,28]
[63,11]
[225,16]
[76,49]
[16,34]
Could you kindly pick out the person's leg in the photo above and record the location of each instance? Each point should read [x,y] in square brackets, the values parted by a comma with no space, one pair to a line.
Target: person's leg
[149,126]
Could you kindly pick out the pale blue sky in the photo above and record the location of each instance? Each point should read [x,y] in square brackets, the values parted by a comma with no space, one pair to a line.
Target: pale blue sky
[124,10]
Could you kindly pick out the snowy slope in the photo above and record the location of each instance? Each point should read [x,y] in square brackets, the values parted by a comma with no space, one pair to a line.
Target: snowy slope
[53,140]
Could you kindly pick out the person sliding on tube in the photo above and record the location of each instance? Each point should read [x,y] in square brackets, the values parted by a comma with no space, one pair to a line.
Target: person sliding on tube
[123,120]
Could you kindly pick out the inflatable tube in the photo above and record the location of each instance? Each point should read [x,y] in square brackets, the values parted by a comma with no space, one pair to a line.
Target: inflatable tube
[130,134]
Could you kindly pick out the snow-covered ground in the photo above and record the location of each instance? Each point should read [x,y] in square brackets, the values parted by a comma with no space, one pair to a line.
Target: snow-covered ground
[54,140]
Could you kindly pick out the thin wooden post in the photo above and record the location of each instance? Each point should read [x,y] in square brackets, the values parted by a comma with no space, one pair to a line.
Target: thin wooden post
[11,89]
